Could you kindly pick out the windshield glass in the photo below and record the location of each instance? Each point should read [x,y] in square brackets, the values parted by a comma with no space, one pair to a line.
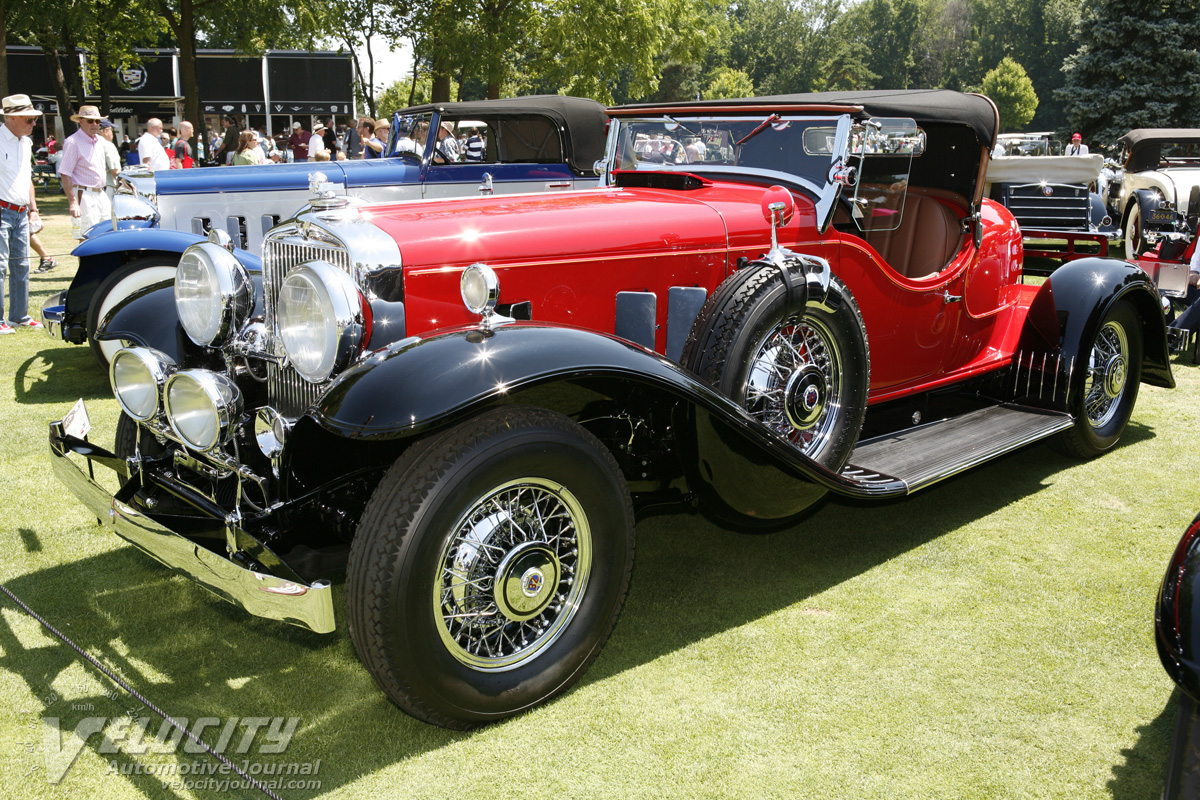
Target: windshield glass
[787,149]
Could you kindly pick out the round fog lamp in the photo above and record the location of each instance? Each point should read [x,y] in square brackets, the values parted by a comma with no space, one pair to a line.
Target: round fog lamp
[270,431]
[201,406]
[137,375]
[480,288]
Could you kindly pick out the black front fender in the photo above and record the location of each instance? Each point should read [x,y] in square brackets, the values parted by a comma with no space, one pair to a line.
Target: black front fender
[1070,306]
[418,386]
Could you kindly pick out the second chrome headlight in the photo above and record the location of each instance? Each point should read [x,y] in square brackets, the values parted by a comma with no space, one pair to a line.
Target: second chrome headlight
[320,318]
[213,293]
[138,375]
[201,406]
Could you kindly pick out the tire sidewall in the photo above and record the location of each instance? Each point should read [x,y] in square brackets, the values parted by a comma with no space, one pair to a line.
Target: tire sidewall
[413,642]
[110,291]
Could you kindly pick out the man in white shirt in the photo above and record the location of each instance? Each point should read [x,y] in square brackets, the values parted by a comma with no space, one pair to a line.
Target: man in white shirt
[1076,147]
[150,149]
[82,172]
[316,142]
[17,205]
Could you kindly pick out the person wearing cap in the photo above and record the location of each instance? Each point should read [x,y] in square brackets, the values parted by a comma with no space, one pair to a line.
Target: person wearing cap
[298,142]
[17,205]
[150,149]
[1076,147]
[447,145]
[316,142]
[82,172]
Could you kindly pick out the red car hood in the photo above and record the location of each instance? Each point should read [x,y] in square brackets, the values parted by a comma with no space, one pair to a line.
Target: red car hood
[594,223]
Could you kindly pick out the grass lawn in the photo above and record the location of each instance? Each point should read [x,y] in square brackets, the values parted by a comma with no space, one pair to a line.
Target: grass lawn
[988,638]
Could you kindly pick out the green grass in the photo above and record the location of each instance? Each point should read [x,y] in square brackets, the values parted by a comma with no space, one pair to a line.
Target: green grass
[990,637]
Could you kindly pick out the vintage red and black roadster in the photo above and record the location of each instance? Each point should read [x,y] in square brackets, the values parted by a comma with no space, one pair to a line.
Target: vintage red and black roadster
[465,404]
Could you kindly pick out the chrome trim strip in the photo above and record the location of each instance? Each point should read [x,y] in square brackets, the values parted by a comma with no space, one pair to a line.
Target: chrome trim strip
[308,606]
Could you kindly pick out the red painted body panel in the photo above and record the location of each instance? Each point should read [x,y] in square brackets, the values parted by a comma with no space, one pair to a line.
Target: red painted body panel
[569,255]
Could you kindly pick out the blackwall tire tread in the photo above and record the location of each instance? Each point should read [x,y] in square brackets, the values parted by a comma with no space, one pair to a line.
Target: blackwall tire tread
[383,528]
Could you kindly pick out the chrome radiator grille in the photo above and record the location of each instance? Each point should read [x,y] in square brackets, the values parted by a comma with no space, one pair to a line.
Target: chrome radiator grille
[289,393]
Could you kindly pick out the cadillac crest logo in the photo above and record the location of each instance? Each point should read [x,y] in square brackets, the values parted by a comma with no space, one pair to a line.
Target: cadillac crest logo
[131,79]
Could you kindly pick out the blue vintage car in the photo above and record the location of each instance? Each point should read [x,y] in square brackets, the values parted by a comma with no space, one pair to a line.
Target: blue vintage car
[530,144]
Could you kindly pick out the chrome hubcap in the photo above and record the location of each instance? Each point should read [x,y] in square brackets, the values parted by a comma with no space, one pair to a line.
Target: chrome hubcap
[1108,373]
[793,384]
[512,574]
[805,397]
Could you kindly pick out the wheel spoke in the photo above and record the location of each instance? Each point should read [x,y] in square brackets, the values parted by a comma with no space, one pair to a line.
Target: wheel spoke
[525,528]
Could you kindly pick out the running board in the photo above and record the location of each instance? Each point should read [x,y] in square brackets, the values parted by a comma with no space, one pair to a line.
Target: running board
[919,457]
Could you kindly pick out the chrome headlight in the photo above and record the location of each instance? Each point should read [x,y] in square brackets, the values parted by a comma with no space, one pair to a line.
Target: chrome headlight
[138,375]
[213,293]
[320,318]
[201,406]
[480,289]
[129,206]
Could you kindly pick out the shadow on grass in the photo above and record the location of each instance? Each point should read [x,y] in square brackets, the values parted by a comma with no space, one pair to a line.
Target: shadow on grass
[196,656]
[61,375]
[1144,772]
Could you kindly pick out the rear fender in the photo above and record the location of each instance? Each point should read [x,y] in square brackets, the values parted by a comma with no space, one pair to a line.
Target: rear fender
[740,470]
[1065,316]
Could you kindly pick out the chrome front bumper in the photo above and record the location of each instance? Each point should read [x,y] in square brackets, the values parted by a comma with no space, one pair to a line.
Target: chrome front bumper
[263,595]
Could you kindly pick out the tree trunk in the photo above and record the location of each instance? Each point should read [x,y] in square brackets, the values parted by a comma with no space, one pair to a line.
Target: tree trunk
[76,76]
[102,70]
[184,28]
[54,65]
[3,49]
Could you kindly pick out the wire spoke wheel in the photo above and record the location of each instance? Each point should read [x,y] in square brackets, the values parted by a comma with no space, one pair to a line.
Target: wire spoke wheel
[1108,373]
[512,574]
[793,383]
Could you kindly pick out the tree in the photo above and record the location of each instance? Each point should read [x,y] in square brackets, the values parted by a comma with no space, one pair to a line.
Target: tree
[1012,92]
[726,83]
[366,24]
[1137,66]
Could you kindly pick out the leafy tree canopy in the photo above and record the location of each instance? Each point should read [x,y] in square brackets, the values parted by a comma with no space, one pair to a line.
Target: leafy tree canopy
[1012,92]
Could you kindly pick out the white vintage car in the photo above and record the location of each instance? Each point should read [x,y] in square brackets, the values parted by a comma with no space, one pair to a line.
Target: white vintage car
[1159,197]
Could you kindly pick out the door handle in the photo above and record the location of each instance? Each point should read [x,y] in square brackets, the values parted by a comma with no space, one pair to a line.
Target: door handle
[951,298]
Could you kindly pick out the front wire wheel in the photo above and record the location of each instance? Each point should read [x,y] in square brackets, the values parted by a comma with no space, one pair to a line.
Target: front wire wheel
[490,566]
[1104,402]
[512,574]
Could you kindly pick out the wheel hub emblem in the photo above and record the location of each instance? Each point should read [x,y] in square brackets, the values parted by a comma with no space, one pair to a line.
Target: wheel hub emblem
[1114,376]
[805,397]
[532,582]
[527,580]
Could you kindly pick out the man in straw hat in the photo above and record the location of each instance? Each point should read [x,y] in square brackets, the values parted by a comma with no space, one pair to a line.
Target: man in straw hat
[82,172]
[17,205]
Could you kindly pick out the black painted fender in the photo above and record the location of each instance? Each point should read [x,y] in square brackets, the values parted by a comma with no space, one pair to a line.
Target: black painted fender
[421,385]
[99,256]
[1147,200]
[1068,309]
